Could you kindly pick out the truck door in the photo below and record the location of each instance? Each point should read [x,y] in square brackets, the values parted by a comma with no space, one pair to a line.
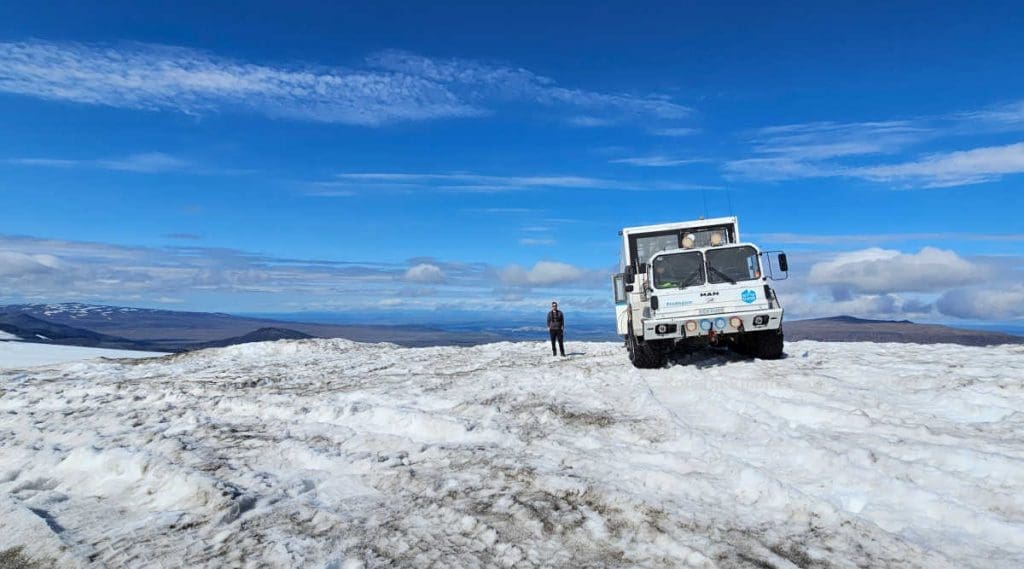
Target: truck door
[619,291]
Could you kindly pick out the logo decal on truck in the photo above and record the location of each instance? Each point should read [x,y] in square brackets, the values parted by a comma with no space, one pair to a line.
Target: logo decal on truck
[748,296]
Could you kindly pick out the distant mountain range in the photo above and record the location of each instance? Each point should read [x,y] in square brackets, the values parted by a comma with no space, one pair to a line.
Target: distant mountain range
[173,331]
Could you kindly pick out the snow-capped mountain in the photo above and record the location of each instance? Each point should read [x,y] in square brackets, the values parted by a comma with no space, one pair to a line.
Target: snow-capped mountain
[329,453]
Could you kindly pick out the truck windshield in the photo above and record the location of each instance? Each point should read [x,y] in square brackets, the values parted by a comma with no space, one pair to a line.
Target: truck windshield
[733,264]
[678,270]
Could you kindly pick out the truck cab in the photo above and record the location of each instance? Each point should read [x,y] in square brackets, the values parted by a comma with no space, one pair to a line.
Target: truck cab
[695,283]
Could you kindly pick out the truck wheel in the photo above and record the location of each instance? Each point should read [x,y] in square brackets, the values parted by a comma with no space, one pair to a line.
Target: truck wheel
[766,345]
[641,354]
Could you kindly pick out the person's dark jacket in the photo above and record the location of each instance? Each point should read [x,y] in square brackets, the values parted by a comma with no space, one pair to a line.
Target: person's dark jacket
[556,320]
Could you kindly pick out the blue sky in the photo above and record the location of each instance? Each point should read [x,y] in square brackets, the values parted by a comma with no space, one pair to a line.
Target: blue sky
[381,157]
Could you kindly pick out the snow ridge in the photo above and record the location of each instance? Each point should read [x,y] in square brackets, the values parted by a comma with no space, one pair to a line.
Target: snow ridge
[331,453]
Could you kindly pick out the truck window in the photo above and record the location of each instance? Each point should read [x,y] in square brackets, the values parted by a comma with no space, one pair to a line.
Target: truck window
[733,264]
[677,270]
[650,245]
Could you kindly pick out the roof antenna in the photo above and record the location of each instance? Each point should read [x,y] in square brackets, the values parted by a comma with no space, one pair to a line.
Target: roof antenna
[704,196]
[728,196]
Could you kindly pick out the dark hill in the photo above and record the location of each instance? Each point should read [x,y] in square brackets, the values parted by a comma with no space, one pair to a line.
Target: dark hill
[851,329]
[32,329]
[261,335]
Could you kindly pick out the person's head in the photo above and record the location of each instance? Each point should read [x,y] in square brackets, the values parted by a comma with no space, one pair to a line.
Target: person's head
[688,241]
[554,305]
[716,239]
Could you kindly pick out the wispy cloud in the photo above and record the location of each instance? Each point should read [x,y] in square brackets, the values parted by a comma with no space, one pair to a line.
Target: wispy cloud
[951,168]
[958,168]
[140,76]
[501,210]
[388,87]
[536,241]
[656,161]
[998,117]
[812,239]
[151,162]
[675,131]
[866,150]
[184,236]
[513,83]
[467,182]
[809,150]
[146,163]
[587,121]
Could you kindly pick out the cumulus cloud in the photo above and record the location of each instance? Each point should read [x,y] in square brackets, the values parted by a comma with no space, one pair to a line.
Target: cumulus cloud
[15,264]
[424,273]
[388,87]
[985,303]
[878,270]
[810,304]
[210,278]
[543,273]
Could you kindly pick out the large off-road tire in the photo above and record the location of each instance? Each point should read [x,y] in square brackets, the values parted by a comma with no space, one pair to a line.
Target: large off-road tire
[642,354]
[764,345]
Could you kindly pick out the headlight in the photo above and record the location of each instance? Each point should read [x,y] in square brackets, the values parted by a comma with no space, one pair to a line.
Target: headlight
[736,322]
[691,325]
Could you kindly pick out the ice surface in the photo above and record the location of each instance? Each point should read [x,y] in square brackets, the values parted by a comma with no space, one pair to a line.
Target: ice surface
[25,354]
[329,453]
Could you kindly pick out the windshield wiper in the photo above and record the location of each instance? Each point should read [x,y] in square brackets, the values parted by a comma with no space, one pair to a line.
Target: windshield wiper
[721,274]
[687,281]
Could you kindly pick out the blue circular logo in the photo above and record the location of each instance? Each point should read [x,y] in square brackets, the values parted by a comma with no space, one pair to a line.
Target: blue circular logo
[705,325]
[720,323]
[748,296]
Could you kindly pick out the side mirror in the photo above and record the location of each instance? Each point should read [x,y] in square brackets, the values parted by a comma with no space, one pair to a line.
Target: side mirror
[783,263]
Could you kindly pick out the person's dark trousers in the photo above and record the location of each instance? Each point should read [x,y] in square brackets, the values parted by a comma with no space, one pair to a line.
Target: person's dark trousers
[557,335]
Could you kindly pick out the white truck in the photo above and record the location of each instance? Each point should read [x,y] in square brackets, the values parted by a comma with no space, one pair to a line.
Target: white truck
[695,283]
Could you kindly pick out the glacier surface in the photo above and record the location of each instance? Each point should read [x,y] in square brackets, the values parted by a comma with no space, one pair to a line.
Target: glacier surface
[330,453]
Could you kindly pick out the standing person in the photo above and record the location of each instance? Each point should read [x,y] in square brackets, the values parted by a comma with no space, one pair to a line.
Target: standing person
[556,328]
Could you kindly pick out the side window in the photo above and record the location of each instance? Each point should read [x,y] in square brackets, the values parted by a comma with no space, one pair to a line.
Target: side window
[619,286]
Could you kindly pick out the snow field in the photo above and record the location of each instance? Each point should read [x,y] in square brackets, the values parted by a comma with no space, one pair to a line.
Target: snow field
[336,454]
[15,354]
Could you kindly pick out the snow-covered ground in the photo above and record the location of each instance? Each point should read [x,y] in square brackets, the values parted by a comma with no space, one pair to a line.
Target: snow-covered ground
[14,355]
[328,453]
